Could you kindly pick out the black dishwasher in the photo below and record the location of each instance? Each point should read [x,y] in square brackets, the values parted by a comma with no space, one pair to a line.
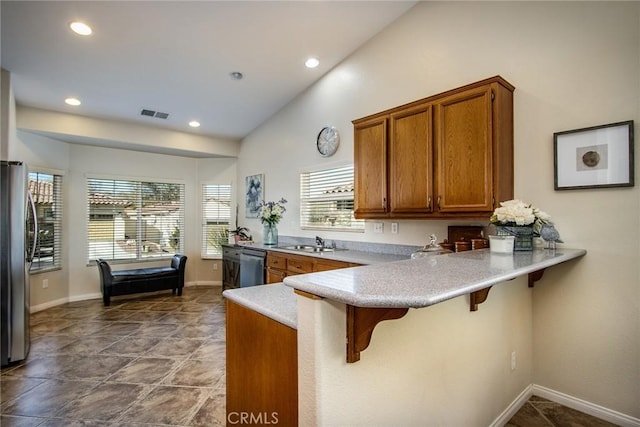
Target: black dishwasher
[242,266]
[230,267]
[252,269]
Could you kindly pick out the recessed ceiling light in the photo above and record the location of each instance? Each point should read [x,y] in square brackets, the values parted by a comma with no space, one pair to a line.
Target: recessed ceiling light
[236,75]
[312,63]
[194,124]
[73,101]
[80,28]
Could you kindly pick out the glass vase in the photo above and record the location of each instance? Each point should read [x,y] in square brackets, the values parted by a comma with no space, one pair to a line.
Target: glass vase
[270,235]
[523,236]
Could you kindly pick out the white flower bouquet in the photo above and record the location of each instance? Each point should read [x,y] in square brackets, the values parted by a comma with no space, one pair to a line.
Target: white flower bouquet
[514,213]
[271,212]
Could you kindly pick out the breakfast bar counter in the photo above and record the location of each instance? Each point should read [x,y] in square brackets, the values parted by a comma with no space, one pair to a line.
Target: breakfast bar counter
[286,341]
[427,281]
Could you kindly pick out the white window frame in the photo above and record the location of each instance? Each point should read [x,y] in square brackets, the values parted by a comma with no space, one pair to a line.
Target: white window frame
[56,220]
[139,254]
[208,214]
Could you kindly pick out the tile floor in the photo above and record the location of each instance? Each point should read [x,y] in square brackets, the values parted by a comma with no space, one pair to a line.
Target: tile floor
[144,361]
[149,360]
[540,412]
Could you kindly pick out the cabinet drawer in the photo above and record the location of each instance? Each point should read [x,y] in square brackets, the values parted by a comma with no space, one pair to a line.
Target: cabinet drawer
[300,264]
[277,261]
[326,265]
[275,275]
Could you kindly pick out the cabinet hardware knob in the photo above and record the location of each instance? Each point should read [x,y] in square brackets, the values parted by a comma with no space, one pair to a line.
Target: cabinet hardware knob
[429,203]
[439,202]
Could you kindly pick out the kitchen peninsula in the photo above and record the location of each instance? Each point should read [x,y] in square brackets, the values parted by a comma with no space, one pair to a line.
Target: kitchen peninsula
[448,351]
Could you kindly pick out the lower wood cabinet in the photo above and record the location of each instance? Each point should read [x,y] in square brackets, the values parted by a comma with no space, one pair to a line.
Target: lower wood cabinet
[281,265]
[262,369]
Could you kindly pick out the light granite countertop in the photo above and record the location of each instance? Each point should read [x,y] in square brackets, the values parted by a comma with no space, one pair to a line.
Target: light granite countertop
[345,255]
[427,281]
[398,284]
[278,302]
[356,257]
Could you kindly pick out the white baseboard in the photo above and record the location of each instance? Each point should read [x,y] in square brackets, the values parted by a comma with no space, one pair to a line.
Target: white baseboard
[597,411]
[586,407]
[203,283]
[513,407]
[98,295]
[84,297]
[45,305]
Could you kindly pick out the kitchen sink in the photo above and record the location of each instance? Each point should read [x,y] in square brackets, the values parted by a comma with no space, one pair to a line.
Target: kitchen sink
[298,247]
[309,248]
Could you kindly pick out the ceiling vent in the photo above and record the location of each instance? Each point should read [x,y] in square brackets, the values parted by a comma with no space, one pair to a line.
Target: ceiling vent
[156,114]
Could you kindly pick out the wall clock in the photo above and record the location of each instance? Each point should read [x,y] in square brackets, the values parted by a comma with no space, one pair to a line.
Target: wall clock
[328,141]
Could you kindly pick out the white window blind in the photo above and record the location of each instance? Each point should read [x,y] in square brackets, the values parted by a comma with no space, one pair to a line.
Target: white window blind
[46,190]
[326,200]
[216,217]
[134,220]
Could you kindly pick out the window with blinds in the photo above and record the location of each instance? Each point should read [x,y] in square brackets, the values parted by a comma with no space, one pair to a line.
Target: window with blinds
[46,190]
[216,217]
[326,200]
[134,220]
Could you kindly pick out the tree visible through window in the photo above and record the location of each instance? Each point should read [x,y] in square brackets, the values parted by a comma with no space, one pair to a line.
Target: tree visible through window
[216,216]
[326,200]
[134,220]
[46,190]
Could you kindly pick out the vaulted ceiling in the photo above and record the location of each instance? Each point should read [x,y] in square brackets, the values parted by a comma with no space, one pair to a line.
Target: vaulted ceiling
[176,57]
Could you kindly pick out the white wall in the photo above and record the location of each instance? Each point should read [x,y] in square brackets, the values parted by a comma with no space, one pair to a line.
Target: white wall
[47,155]
[443,365]
[574,64]
[77,280]
[134,136]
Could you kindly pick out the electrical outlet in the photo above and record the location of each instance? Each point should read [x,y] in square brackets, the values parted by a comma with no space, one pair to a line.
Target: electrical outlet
[45,283]
[513,360]
[215,265]
[394,228]
[378,227]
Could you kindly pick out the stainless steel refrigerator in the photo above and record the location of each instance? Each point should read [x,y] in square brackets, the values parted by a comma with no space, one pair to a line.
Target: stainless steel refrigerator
[18,234]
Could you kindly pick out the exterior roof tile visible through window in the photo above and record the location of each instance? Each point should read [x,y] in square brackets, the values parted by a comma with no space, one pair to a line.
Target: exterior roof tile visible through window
[106,199]
[41,191]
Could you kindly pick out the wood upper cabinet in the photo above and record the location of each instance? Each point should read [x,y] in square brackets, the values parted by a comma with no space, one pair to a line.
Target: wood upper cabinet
[411,160]
[464,148]
[447,156]
[370,167]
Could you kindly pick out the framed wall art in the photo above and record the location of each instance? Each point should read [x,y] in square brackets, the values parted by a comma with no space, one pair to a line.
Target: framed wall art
[254,194]
[598,156]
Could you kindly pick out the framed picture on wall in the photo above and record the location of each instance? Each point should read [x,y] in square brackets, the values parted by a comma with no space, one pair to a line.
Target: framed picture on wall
[254,194]
[598,156]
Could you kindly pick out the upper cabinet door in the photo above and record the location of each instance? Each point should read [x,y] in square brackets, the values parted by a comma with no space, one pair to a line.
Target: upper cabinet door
[464,152]
[447,156]
[410,160]
[370,168]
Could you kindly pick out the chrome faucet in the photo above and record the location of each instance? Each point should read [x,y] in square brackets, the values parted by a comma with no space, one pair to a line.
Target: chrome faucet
[319,242]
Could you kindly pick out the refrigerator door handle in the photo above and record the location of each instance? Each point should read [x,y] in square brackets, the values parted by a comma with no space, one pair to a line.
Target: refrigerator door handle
[32,206]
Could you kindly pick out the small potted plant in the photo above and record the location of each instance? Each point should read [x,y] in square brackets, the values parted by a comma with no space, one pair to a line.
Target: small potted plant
[240,234]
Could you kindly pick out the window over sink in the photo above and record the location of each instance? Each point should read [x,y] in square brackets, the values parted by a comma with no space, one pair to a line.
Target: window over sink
[326,200]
